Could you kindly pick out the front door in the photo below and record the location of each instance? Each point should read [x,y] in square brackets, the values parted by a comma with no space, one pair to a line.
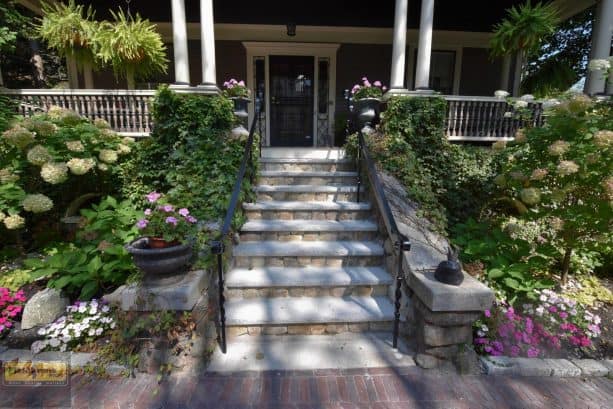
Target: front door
[291,100]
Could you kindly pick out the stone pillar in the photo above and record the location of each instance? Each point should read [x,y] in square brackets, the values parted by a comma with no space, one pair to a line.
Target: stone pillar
[506,72]
[207,32]
[399,48]
[424,51]
[601,45]
[179,43]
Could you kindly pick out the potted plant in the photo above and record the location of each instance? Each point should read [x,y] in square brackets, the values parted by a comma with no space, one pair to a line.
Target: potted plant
[163,249]
[132,46]
[239,94]
[366,100]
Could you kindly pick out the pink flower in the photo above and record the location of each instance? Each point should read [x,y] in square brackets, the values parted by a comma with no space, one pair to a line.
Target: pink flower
[172,220]
[367,84]
[168,208]
[515,350]
[147,212]
[563,314]
[153,197]
[184,212]
[141,224]
[585,341]
[384,88]
[191,219]
[364,79]
[377,83]
[487,313]
[498,346]
[532,352]
[241,83]
[553,309]
[481,341]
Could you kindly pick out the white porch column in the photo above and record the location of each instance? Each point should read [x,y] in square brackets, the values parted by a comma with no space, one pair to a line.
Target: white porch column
[506,72]
[399,48]
[601,45]
[424,51]
[207,32]
[179,43]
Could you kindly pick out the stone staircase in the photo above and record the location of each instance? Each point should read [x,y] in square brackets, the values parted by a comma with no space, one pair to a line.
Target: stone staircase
[309,261]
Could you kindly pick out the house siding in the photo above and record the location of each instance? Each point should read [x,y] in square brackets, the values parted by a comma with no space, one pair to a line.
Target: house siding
[480,75]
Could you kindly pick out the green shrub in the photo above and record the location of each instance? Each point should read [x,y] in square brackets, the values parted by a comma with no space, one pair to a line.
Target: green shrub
[7,112]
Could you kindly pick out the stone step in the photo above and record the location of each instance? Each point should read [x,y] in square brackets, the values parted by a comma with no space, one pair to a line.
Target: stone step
[290,210]
[304,153]
[307,253]
[305,230]
[307,282]
[309,311]
[307,193]
[306,164]
[294,352]
[307,178]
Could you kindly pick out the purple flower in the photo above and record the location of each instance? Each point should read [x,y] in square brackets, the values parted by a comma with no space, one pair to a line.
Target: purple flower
[168,208]
[515,350]
[191,219]
[498,346]
[532,352]
[487,313]
[141,224]
[153,197]
[172,220]
[184,212]
[553,309]
[147,212]
[563,315]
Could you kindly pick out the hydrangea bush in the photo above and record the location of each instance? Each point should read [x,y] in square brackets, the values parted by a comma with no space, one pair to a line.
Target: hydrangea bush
[561,173]
[166,221]
[48,160]
[551,325]
[83,323]
[11,306]
[368,89]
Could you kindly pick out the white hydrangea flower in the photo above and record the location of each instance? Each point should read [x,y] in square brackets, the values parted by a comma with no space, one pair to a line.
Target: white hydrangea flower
[7,176]
[101,123]
[558,148]
[567,167]
[521,104]
[103,167]
[39,155]
[80,166]
[75,146]
[37,203]
[108,156]
[91,332]
[599,65]
[123,149]
[128,140]
[527,97]
[18,136]
[14,222]
[54,172]
[501,93]
[603,138]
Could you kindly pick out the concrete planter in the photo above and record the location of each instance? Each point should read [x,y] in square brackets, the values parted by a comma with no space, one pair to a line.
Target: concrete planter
[159,263]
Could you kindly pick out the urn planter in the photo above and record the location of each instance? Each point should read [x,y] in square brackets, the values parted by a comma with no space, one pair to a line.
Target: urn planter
[159,263]
[240,106]
[366,110]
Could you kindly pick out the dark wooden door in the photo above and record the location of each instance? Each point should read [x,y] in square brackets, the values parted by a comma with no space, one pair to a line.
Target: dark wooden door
[291,100]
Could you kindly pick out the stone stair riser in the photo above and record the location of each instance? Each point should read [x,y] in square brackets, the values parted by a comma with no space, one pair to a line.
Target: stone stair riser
[308,167]
[292,261]
[309,236]
[308,180]
[307,215]
[309,196]
[308,329]
[356,290]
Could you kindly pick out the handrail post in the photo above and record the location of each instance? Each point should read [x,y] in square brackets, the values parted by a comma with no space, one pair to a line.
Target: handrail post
[401,246]
[218,248]
[359,164]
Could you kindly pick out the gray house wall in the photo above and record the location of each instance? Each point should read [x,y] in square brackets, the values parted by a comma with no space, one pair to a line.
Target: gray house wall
[480,75]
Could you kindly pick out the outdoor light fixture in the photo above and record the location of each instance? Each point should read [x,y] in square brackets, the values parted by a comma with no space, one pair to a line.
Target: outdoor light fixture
[291,29]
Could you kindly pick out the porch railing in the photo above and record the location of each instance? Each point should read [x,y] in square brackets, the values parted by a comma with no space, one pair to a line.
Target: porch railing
[487,118]
[127,111]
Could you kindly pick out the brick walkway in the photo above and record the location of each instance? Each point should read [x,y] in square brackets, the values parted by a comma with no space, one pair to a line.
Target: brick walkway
[374,388]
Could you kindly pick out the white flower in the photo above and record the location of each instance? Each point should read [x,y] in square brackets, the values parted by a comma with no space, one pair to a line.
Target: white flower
[108,156]
[540,311]
[563,307]
[521,104]
[508,114]
[63,348]
[66,339]
[38,346]
[91,332]
[599,65]
[527,97]
[543,297]
[550,103]
[112,325]
[14,222]
[80,166]
[484,328]
[42,331]
[37,203]
[39,155]
[501,93]
[75,146]
[93,309]
[596,320]
[82,308]
[567,167]
[54,342]
[106,308]
[99,331]
[54,173]
[480,333]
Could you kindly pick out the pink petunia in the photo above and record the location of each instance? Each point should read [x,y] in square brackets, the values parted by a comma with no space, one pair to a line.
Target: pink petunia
[532,352]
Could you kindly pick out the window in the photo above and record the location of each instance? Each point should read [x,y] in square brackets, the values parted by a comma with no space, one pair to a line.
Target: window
[442,68]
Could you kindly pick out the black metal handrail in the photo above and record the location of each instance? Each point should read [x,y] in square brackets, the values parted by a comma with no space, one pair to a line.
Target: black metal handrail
[401,241]
[217,246]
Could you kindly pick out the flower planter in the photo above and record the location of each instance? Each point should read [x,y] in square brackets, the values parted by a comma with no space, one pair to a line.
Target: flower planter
[366,111]
[158,263]
[240,106]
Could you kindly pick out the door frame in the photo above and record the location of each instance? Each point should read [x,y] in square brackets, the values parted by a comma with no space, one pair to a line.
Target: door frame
[317,50]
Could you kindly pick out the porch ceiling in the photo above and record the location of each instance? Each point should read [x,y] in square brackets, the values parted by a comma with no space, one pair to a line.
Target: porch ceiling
[467,15]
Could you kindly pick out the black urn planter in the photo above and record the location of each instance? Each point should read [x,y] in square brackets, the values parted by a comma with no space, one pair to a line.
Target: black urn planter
[240,106]
[450,270]
[159,263]
[366,110]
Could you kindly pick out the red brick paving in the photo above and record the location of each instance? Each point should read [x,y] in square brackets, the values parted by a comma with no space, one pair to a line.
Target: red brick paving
[334,389]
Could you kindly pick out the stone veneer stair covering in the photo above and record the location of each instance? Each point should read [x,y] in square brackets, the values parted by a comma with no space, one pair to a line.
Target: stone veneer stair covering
[309,259]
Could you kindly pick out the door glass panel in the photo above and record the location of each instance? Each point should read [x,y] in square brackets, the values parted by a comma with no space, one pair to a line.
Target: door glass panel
[260,91]
[291,100]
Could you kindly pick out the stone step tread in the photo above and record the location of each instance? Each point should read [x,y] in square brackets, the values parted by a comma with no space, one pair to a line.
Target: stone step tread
[307,310]
[309,226]
[285,277]
[307,188]
[300,161]
[308,249]
[291,205]
[293,152]
[312,174]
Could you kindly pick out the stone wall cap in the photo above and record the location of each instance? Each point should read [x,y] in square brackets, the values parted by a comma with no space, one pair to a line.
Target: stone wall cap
[471,295]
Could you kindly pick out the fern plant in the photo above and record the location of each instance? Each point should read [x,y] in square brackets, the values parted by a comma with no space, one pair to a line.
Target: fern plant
[69,29]
[131,46]
[523,30]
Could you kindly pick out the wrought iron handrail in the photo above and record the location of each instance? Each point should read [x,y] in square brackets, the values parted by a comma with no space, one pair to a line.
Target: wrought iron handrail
[217,246]
[401,241]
